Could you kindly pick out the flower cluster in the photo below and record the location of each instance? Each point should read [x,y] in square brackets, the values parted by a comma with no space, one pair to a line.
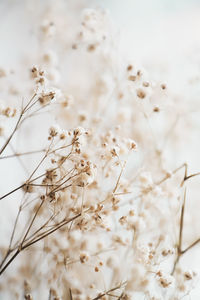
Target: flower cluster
[99,207]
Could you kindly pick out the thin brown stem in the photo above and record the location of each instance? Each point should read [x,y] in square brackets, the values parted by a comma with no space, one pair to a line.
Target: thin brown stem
[12,134]
[14,228]
[27,105]
[34,235]
[191,246]
[192,175]
[22,154]
[45,234]
[70,294]
[118,179]
[181,223]
[5,258]
[21,186]
[9,262]
[109,291]
[14,190]
[17,125]
[179,246]
[32,221]
[32,180]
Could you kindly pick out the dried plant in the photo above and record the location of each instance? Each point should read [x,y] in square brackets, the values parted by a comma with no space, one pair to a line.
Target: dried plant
[100,199]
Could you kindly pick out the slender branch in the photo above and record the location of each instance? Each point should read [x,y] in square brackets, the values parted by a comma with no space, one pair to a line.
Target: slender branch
[9,262]
[44,157]
[181,223]
[179,246]
[109,291]
[14,190]
[45,234]
[21,154]
[118,179]
[28,244]
[17,125]
[192,175]
[70,294]
[21,186]
[30,105]
[191,246]
[29,102]
[180,252]
[32,221]
[32,180]
[12,134]
[14,228]
[33,235]
[5,258]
